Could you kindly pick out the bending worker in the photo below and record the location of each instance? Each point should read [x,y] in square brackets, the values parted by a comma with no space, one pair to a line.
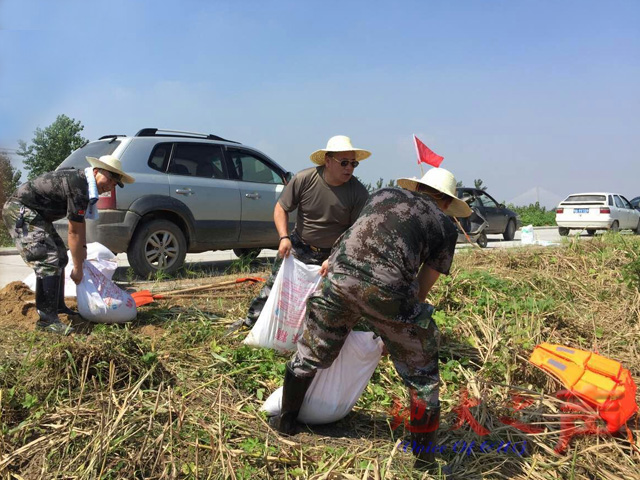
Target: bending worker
[328,198]
[381,271]
[29,215]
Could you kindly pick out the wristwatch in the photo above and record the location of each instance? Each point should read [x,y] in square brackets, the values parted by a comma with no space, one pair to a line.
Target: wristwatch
[285,236]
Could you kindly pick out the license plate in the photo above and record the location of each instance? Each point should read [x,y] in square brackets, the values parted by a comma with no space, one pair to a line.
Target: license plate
[580,210]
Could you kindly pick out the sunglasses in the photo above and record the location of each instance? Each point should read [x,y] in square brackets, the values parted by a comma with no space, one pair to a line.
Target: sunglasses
[113,176]
[344,163]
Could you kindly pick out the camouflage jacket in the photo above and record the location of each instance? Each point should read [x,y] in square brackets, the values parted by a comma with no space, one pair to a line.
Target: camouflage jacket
[397,232]
[57,194]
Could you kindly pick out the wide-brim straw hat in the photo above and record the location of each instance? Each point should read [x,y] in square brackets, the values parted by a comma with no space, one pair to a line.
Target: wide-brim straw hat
[443,181]
[112,164]
[339,143]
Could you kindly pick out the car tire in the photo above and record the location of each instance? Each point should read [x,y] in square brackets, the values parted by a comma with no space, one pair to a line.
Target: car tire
[615,226]
[157,245]
[591,232]
[510,231]
[482,240]
[563,231]
[247,253]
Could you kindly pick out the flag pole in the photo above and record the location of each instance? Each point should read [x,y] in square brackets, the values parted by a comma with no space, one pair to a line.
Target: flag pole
[415,144]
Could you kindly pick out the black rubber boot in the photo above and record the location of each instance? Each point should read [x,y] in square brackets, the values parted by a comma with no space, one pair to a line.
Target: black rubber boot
[47,290]
[292,397]
[424,434]
[62,307]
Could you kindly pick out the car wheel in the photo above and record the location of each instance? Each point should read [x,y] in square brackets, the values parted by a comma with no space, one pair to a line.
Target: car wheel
[563,231]
[591,232]
[615,226]
[510,231]
[247,253]
[158,245]
[482,240]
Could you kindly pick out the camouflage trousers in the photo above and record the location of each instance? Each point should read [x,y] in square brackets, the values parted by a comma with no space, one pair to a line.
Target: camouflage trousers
[37,241]
[301,251]
[404,324]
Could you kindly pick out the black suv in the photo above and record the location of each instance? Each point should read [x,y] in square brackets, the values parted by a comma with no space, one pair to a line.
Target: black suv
[500,218]
[193,193]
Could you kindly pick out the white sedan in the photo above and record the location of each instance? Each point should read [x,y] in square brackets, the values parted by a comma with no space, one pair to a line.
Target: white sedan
[596,211]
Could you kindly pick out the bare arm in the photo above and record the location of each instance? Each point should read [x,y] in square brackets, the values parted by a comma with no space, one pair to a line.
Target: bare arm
[77,242]
[281,219]
[426,278]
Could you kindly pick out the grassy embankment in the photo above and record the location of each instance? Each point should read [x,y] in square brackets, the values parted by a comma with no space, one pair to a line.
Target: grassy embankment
[171,397]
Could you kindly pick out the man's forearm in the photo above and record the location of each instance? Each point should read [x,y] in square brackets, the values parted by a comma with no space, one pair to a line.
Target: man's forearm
[281,219]
[426,278]
[77,243]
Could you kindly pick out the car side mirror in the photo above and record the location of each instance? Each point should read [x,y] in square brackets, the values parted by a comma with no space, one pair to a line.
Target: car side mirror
[287,177]
[501,205]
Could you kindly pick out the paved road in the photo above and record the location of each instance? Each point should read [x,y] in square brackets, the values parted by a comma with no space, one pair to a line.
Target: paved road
[12,267]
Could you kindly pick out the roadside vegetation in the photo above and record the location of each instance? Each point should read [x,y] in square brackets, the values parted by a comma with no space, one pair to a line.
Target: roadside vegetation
[534,214]
[170,396]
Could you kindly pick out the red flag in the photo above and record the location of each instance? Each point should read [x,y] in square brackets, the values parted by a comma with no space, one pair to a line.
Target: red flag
[425,155]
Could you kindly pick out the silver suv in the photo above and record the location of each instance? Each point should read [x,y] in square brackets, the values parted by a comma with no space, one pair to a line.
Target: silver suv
[193,192]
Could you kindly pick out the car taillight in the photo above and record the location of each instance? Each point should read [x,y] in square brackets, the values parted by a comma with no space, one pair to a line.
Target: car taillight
[107,200]
[605,210]
[559,210]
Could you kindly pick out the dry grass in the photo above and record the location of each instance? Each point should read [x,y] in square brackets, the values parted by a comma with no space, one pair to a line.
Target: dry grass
[184,403]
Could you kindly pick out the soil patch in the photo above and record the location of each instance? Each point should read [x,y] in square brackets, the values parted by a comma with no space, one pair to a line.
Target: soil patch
[17,306]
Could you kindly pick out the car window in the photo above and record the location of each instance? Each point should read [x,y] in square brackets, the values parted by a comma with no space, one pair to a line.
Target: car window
[625,202]
[487,201]
[610,201]
[94,149]
[585,198]
[250,168]
[635,203]
[160,156]
[197,160]
[619,203]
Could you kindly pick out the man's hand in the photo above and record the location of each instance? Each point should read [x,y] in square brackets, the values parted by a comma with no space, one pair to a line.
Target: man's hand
[284,250]
[76,274]
[324,269]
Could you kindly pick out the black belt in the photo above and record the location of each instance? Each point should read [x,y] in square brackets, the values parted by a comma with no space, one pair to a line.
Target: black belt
[318,249]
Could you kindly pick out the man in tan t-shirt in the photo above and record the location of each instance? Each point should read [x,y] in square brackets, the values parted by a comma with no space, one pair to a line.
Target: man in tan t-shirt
[328,198]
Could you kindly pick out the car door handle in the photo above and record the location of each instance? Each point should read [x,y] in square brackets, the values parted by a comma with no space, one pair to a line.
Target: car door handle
[184,191]
[254,195]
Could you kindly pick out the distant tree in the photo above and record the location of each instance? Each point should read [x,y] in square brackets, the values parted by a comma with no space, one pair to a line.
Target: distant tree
[49,147]
[9,177]
[478,184]
[459,184]
[379,184]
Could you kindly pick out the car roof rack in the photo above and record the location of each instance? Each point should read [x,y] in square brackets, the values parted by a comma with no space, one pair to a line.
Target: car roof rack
[110,136]
[153,132]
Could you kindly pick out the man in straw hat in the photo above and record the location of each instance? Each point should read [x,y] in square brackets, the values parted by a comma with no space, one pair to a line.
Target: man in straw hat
[328,198]
[381,271]
[29,215]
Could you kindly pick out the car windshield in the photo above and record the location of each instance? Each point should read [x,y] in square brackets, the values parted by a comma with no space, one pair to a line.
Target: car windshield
[94,149]
[586,198]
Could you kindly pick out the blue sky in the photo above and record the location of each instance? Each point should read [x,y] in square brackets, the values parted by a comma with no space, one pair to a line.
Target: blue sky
[521,94]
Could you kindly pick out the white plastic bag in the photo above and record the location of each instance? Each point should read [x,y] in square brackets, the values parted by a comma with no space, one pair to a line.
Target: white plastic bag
[280,322]
[334,391]
[102,301]
[99,255]
[527,236]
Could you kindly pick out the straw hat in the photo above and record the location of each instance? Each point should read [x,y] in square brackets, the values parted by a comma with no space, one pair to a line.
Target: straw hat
[443,181]
[339,143]
[112,164]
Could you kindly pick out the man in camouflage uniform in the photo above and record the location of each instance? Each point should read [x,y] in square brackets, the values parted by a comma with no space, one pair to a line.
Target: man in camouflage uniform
[29,215]
[328,199]
[381,271]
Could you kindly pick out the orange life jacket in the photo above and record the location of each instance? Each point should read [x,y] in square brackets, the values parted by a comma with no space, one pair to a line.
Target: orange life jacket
[599,381]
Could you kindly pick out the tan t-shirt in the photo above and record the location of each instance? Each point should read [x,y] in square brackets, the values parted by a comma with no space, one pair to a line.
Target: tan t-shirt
[324,212]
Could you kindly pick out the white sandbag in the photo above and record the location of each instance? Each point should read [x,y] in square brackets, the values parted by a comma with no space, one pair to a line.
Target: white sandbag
[280,322]
[334,391]
[527,237]
[102,301]
[100,256]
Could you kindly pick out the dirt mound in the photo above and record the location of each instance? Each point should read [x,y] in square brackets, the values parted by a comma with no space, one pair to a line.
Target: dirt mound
[17,306]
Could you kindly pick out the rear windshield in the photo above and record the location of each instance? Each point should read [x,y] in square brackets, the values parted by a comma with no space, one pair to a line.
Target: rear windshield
[586,198]
[94,149]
